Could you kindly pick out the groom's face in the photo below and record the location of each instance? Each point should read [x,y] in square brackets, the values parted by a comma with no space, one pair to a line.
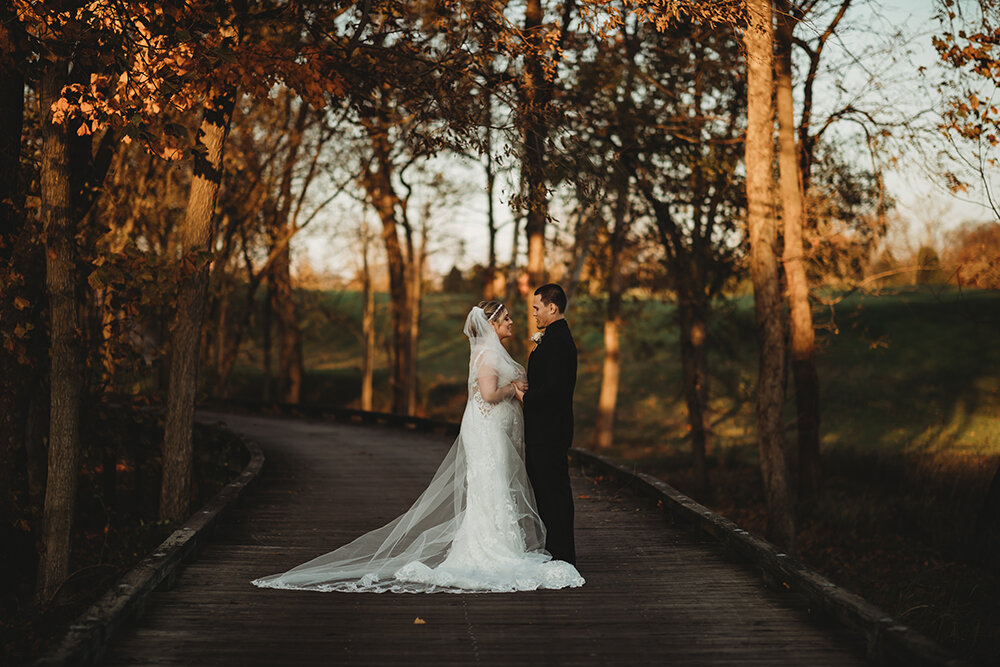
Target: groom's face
[544,313]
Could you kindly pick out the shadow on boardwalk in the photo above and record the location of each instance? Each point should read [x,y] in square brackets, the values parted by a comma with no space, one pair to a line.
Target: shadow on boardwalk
[655,594]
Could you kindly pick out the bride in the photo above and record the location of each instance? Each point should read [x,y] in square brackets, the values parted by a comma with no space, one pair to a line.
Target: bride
[475,528]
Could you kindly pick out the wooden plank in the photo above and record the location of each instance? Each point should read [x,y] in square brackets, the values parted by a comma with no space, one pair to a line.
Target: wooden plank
[655,593]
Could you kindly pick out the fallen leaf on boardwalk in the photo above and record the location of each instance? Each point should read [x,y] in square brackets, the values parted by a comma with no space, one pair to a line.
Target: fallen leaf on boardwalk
[583,495]
[419,621]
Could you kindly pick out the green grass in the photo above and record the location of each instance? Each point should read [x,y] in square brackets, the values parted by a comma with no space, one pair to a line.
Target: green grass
[915,372]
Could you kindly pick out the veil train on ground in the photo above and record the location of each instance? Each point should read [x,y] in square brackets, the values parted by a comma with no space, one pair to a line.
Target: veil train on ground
[475,528]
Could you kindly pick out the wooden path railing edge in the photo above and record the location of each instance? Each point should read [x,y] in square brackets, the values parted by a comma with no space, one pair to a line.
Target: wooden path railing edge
[886,640]
[86,640]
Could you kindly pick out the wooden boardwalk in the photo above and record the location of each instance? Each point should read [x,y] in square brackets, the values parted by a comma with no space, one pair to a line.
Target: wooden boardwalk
[655,594]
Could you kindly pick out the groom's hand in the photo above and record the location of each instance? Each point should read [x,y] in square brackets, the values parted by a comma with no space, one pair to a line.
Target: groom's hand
[522,385]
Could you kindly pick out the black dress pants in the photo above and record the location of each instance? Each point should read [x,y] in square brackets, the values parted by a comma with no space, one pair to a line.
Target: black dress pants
[548,472]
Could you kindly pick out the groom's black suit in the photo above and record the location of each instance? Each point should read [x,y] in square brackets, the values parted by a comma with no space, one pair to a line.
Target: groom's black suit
[548,434]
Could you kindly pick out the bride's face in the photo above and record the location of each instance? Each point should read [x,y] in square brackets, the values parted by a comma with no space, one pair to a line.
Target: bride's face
[504,327]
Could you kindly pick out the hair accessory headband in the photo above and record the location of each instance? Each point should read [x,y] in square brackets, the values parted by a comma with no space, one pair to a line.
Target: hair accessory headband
[496,312]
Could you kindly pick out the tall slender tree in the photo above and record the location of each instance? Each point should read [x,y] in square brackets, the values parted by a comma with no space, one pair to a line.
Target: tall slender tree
[535,95]
[193,239]
[71,170]
[367,319]
[758,39]
[536,89]
[607,401]
[66,364]
[282,301]
[381,192]
[802,336]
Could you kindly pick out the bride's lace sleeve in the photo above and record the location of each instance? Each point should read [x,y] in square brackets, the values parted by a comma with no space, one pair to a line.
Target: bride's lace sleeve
[487,381]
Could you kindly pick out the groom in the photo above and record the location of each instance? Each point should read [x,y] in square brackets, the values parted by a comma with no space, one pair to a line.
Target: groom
[548,420]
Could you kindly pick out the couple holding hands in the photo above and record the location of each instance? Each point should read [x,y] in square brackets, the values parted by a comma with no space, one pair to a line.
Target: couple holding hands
[498,514]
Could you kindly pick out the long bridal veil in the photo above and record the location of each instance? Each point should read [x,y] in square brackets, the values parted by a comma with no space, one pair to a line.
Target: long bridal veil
[454,538]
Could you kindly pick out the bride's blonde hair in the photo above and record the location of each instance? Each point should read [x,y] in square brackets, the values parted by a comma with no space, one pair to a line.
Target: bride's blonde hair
[494,310]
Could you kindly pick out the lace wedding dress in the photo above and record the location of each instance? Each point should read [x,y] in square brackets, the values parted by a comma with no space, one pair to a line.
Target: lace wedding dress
[475,528]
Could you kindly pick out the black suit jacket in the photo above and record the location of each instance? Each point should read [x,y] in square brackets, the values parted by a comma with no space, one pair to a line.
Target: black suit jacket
[548,403]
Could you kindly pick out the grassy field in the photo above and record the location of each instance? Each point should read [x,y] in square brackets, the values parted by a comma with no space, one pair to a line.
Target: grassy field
[912,373]
[910,394]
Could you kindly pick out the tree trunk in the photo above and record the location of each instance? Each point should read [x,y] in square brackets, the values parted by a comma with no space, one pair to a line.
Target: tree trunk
[399,305]
[378,183]
[759,42]
[233,342]
[14,372]
[266,341]
[367,328]
[220,295]
[66,369]
[693,313]
[413,340]
[282,294]
[415,294]
[801,325]
[690,283]
[536,93]
[513,273]
[221,345]
[490,290]
[289,335]
[36,438]
[608,400]
[195,242]
[585,229]
[610,369]
[109,316]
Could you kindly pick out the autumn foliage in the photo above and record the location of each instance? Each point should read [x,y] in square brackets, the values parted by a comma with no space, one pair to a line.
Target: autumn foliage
[975,256]
[969,44]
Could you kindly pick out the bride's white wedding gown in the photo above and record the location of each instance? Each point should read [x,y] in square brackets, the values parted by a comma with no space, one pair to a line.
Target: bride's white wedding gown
[475,528]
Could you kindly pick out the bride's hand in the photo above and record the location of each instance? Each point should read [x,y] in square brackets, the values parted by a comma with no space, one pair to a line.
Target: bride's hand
[518,392]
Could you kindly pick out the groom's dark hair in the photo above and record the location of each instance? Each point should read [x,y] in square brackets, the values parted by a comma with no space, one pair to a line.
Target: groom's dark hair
[553,293]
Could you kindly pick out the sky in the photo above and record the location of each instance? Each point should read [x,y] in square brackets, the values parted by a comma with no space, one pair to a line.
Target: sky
[921,197]
[871,63]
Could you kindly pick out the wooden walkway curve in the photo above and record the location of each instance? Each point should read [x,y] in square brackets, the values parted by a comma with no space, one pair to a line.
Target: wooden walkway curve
[655,594]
